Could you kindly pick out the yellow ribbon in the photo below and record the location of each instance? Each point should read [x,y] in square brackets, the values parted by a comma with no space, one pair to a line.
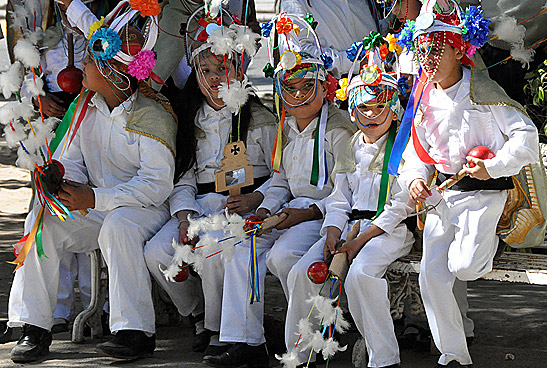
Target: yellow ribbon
[278,145]
[28,243]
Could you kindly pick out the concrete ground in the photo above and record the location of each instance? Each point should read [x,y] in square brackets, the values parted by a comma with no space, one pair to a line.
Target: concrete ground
[510,319]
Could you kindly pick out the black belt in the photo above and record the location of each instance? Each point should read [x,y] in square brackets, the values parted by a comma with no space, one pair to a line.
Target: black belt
[468,183]
[410,222]
[204,188]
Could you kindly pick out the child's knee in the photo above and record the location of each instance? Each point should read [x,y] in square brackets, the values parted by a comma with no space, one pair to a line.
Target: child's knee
[276,261]
[467,270]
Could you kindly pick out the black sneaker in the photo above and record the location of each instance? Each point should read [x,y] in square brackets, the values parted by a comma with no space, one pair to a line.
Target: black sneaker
[239,355]
[305,365]
[33,344]
[128,345]
[453,364]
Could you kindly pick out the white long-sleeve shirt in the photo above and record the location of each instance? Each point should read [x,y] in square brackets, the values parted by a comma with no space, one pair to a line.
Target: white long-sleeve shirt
[127,169]
[293,178]
[213,133]
[340,23]
[452,125]
[359,190]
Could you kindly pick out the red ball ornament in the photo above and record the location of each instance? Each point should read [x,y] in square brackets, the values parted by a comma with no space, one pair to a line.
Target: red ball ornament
[60,166]
[70,79]
[183,273]
[318,272]
[250,222]
[481,152]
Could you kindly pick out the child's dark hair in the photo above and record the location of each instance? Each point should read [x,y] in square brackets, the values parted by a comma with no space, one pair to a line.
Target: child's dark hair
[186,105]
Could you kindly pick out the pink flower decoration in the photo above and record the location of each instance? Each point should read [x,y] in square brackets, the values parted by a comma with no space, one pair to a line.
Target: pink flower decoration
[471,50]
[142,64]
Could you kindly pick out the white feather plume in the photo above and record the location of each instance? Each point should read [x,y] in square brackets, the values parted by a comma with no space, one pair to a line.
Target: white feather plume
[33,6]
[289,360]
[331,347]
[34,86]
[11,79]
[13,136]
[246,40]
[326,313]
[316,342]
[341,325]
[43,132]
[234,95]
[222,40]
[27,53]
[523,55]
[34,36]
[14,110]
[305,329]
[507,29]
[25,160]
[214,6]
[19,18]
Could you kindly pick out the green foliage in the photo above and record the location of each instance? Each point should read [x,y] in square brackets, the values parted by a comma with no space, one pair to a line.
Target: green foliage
[536,91]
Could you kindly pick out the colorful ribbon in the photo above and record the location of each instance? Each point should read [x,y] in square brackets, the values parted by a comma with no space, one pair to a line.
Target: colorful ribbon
[319,173]
[253,268]
[384,182]
[278,143]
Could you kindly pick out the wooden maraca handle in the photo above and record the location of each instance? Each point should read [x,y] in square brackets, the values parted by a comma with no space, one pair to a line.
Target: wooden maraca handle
[272,222]
[340,265]
[70,48]
[451,181]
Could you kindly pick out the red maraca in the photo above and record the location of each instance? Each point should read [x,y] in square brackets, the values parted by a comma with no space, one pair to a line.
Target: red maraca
[183,273]
[70,78]
[481,152]
[318,272]
[250,222]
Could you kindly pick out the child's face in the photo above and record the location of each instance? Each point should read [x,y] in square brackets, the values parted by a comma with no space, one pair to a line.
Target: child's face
[211,73]
[373,119]
[92,77]
[303,97]
[441,62]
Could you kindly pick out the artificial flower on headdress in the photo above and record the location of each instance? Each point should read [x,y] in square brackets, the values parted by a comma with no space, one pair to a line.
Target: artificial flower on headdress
[405,37]
[266,29]
[146,7]
[393,46]
[142,65]
[94,27]
[268,70]
[284,25]
[311,21]
[374,39]
[352,51]
[341,93]
[474,28]
[327,61]
[105,44]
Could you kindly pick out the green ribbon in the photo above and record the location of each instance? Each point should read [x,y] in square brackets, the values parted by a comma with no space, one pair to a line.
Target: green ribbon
[374,39]
[39,246]
[309,19]
[384,183]
[314,179]
[63,127]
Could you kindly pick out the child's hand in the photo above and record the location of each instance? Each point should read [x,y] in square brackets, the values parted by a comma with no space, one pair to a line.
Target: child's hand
[183,234]
[51,106]
[333,237]
[352,248]
[418,190]
[262,213]
[242,204]
[76,196]
[478,169]
[298,215]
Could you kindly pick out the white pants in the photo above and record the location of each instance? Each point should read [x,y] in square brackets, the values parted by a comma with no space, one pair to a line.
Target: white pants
[290,246]
[72,265]
[120,234]
[366,290]
[459,242]
[226,287]
[186,295]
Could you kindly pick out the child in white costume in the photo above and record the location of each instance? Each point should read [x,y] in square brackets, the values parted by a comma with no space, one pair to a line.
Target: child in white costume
[463,109]
[382,239]
[206,126]
[120,168]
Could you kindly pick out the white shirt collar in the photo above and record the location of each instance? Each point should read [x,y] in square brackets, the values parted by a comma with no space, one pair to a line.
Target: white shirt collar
[100,103]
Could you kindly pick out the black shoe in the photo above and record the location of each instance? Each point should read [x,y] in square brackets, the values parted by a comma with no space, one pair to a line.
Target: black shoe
[240,354]
[212,350]
[59,325]
[128,345]
[33,344]
[453,364]
[305,365]
[201,341]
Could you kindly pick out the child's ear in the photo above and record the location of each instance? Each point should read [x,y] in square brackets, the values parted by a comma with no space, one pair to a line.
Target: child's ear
[458,53]
[325,85]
